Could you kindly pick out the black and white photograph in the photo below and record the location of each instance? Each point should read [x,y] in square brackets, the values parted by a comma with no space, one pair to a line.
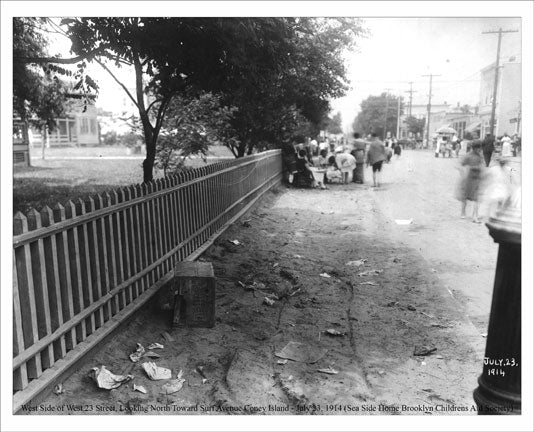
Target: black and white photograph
[313,212]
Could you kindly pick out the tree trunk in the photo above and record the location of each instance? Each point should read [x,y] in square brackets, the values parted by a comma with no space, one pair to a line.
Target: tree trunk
[148,163]
[241,149]
[43,141]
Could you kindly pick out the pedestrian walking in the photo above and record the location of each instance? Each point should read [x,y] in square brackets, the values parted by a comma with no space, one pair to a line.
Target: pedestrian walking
[376,155]
[488,147]
[497,184]
[359,154]
[470,179]
[506,146]
[397,149]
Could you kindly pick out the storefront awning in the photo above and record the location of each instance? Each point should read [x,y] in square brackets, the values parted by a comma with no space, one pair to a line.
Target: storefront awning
[473,126]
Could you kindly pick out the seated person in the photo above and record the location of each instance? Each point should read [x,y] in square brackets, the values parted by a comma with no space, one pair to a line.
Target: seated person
[304,176]
[322,161]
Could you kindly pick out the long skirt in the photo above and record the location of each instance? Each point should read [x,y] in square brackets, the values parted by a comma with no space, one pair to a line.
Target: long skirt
[357,176]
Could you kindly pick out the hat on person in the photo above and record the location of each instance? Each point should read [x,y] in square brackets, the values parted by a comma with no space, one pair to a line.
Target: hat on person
[339,149]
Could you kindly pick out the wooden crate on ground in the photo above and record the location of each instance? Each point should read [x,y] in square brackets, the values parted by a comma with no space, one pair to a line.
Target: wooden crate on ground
[194,289]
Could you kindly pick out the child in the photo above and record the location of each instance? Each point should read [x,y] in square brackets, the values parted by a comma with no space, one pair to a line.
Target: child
[498,186]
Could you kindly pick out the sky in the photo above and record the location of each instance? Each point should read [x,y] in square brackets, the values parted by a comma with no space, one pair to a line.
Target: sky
[396,51]
[400,50]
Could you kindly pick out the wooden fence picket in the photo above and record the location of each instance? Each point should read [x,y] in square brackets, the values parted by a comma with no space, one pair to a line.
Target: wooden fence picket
[26,294]
[76,267]
[40,286]
[65,275]
[52,276]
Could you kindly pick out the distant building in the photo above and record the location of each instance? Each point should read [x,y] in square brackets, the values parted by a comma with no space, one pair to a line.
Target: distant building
[21,151]
[420,111]
[455,118]
[508,101]
[77,128]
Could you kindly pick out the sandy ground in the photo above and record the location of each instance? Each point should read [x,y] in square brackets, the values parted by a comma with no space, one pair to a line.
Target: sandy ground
[432,288]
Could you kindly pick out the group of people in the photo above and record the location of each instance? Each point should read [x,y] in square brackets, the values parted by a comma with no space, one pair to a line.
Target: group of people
[343,164]
[477,176]
[508,146]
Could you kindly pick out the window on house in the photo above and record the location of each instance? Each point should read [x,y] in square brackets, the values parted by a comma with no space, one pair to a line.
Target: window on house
[84,126]
[62,126]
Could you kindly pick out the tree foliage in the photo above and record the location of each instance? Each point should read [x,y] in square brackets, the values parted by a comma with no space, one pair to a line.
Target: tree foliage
[37,98]
[191,125]
[334,126]
[373,116]
[275,71]
[415,125]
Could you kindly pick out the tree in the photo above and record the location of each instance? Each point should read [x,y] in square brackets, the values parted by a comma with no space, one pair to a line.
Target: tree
[293,101]
[415,125]
[373,117]
[271,69]
[334,126]
[192,124]
[38,98]
[465,109]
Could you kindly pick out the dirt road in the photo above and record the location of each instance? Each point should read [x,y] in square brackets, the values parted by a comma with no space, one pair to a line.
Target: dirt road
[358,291]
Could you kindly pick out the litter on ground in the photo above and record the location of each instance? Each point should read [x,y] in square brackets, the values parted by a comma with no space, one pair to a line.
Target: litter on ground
[236,242]
[137,354]
[268,301]
[300,352]
[167,337]
[155,346]
[155,372]
[151,354]
[423,350]
[328,371]
[369,283]
[59,389]
[174,385]
[333,332]
[282,362]
[370,272]
[357,263]
[139,389]
[107,380]
[403,221]
[325,275]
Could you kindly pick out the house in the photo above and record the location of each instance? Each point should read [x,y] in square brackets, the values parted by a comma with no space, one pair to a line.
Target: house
[21,151]
[508,101]
[420,111]
[77,128]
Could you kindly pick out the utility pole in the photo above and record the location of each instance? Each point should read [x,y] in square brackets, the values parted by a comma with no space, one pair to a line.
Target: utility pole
[496,81]
[428,109]
[518,125]
[386,115]
[411,92]
[398,115]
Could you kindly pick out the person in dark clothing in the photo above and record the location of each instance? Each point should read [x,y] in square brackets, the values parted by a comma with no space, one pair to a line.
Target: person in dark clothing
[488,147]
[359,154]
[289,158]
[304,176]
